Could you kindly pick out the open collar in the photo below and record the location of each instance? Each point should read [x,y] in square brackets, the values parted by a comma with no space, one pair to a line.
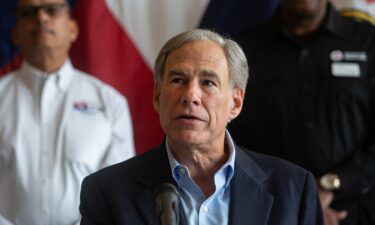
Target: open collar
[249,200]
[34,78]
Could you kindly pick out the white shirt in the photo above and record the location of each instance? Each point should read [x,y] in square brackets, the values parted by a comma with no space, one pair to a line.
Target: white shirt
[55,130]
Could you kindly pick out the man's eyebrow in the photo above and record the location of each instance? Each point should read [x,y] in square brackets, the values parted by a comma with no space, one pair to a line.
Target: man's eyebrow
[204,73]
[176,72]
[209,73]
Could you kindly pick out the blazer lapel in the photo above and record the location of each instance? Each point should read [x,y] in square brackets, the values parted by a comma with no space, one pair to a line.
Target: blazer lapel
[144,202]
[250,203]
[154,170]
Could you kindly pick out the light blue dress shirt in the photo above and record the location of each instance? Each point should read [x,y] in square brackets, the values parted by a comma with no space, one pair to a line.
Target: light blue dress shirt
[198,209]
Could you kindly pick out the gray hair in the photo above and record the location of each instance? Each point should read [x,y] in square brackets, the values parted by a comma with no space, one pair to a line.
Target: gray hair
[238,68]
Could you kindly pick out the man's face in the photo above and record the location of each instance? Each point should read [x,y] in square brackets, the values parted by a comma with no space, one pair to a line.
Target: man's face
[49,27]
[196,99]
[302,8]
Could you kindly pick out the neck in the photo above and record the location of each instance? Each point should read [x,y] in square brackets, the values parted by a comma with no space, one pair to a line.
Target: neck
[203,162]
[300,25]
[48,62]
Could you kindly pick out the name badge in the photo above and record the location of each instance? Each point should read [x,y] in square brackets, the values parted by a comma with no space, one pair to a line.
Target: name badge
[341,69]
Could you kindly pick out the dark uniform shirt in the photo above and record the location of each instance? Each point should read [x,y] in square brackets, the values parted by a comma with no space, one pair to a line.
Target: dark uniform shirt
[311,101]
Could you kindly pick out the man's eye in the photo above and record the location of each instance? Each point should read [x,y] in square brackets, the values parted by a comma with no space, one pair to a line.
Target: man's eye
[52,10]
[25,12]
[208,83]
[177,80]
[30,12]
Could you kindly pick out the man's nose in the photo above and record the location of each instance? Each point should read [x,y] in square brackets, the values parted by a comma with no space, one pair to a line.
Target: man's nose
[191,94]
[42,15]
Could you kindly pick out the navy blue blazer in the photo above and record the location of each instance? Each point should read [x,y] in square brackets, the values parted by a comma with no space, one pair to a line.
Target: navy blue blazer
[264,190]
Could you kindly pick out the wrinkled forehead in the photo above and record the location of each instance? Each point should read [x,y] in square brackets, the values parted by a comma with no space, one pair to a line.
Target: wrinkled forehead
[39,2]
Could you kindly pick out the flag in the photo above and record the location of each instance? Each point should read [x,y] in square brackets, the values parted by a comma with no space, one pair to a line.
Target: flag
[119,41]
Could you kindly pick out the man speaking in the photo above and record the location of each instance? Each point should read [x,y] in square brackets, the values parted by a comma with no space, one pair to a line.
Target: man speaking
[200,80]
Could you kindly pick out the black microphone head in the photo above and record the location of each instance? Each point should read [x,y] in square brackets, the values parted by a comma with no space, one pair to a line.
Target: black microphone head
[167,204]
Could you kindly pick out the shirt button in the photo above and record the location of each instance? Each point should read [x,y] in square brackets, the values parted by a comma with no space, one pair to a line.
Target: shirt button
[310,125]
[307,87]
[204,209]
[181,170]
[304,53]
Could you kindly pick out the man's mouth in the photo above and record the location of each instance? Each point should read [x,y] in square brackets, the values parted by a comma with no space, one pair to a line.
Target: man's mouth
[189,117]
[41,30]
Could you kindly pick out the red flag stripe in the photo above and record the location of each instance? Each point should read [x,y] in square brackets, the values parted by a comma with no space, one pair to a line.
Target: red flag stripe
[104,49]
[14,64]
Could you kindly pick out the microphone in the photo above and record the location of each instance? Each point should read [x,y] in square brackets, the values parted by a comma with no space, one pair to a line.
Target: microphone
[167,204]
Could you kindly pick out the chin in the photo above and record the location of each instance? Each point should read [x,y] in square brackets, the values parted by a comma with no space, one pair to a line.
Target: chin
[188,137]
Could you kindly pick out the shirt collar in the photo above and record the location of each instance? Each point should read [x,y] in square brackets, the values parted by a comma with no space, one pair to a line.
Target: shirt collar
[34,78]
[335,22]
[228,166]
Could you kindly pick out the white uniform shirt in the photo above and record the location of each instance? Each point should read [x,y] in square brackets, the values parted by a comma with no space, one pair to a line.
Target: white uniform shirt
[54,131]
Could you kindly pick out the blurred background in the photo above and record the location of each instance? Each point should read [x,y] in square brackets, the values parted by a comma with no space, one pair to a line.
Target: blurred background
[119,40]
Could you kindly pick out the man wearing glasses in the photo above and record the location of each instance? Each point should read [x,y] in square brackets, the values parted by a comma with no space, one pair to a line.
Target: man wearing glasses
[57,124]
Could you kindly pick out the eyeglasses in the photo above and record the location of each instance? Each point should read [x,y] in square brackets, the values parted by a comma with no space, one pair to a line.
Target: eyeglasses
[29,12]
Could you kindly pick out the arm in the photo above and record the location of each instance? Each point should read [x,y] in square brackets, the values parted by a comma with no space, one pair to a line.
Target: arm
[310,207]
[94,209]
[331,216]
[122,145]
[357,175]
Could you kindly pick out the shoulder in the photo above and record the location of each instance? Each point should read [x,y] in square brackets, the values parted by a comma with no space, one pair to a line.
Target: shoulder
[86,86]
[292,188]
[357,29]
[278,172]
[7,79]
[87,81]
[8,82]
[122,176]
[269,163]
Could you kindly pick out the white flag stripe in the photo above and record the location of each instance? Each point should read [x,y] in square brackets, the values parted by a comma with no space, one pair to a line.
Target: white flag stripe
[150,23]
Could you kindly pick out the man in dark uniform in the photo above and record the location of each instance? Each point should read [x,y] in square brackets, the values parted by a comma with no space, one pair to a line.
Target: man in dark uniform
[311,100]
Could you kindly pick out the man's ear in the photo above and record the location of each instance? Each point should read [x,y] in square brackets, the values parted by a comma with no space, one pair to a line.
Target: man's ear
[74,30]
[156,97]
[237,102]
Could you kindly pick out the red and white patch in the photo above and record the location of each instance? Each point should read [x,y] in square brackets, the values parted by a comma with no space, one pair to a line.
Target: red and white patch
[336,55]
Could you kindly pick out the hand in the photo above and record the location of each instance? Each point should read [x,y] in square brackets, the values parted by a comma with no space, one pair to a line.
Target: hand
[331,216]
